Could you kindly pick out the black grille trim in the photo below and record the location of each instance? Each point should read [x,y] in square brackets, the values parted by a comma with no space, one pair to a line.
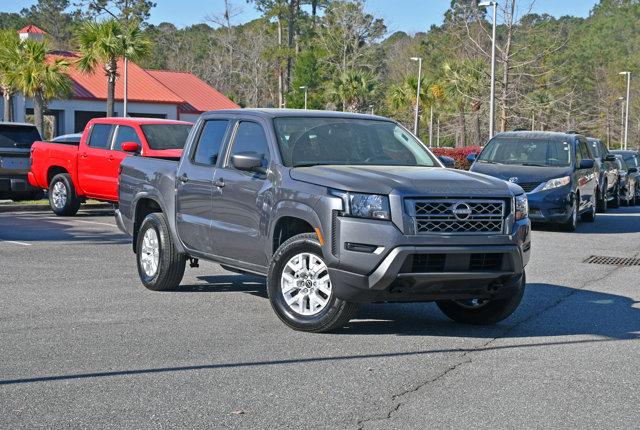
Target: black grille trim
[444,215]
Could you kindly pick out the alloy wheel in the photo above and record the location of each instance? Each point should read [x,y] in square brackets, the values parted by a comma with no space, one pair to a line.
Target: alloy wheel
[59,195]
[150,253]
[305,284]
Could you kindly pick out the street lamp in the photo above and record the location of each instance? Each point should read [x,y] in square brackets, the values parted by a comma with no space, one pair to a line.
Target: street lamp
[493,66]
[305,88]
[415,121]
[626,117]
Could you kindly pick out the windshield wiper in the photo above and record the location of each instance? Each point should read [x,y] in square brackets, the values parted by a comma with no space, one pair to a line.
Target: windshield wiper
[489,162]
[309,164]
[534,165]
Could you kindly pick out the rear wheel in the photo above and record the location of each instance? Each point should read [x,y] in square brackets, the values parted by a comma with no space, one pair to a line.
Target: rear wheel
[62,195]
[300,289]
[160,266]
[484,311]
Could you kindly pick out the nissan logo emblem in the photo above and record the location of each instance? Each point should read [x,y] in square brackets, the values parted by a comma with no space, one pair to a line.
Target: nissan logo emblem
[461,211]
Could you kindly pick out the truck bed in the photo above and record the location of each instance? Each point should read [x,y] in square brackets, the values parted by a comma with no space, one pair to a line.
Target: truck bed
[46,154]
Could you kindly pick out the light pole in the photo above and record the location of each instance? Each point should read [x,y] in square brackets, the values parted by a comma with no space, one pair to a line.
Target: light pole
[306,89]
[415,121]
[493,66]
[626,116]
[621,100]
[125,87]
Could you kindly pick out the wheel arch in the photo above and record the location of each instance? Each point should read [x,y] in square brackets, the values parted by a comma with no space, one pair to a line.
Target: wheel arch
[291,218]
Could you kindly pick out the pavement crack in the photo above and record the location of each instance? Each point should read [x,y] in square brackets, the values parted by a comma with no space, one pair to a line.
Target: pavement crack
[464,358]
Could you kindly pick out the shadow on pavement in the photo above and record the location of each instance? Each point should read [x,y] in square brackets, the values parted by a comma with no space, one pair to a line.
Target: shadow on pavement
[583,312]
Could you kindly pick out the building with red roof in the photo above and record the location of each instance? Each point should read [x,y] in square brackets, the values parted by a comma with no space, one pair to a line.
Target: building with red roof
[151,93]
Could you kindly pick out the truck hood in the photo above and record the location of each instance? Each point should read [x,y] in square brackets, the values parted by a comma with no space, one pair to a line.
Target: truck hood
[521,174]
[406,180]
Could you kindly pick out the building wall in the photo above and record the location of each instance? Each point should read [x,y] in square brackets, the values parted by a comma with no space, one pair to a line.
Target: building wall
[66,110]
[191,117]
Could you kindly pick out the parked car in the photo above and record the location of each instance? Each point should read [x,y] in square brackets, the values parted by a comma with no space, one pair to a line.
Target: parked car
[71,139]
[15,146]
[608,175]
[629,180]
[73,173]
[556,170]
[334,209]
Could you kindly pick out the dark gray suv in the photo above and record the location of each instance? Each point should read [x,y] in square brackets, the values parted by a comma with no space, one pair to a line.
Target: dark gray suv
[335,209]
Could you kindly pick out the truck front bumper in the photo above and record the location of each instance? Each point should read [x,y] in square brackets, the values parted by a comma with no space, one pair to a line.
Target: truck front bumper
[422,268]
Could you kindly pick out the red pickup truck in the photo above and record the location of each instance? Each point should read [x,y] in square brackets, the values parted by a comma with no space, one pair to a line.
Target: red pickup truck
[75,172]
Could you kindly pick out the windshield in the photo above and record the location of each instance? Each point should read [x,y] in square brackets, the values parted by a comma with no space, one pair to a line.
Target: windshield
[308,141]
[17,136]
[166,136]
[527,152]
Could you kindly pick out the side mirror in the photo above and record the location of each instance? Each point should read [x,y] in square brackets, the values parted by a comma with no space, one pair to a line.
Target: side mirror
[447,161]
[248,161]
[632,170]
[610,157]
[471,158]
[587,164]
[130,147]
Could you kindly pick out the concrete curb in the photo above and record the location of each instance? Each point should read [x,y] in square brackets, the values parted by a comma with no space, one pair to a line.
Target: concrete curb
[46,208]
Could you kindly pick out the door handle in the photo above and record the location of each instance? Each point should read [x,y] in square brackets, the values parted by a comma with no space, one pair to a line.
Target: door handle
[219,183]
[183,178]
[83,155]
[110,158]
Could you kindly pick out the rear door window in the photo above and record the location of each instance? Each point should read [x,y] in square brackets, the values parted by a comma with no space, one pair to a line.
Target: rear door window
[210,142]
[100,137]
[125,134]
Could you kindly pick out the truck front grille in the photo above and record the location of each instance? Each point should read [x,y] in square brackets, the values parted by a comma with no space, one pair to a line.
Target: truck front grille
[459,216]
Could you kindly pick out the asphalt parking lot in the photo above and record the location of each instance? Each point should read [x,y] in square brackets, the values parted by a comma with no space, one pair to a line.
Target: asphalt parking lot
[84,345]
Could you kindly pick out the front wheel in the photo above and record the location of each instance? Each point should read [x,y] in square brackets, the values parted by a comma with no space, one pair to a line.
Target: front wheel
[615,203]
[602,199]
[160,266]
[590,216]
[572,223]
[300,288]
[484,311]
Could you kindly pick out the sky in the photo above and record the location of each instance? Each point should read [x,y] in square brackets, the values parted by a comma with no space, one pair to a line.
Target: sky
[399,15]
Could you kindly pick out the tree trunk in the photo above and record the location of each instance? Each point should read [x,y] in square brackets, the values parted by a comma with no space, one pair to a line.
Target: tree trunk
[505,68]
[8,105]
[280,72]
[111,70]
[38,112]
[462,128]
[476,129]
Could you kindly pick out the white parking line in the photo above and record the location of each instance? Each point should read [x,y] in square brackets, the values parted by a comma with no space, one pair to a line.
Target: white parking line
[16,242]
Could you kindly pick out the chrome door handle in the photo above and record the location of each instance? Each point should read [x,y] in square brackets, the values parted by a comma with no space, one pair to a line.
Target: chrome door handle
[219,183]
[183,178]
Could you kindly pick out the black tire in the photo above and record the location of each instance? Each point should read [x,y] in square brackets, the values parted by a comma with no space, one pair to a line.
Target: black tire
[335,314]
[572,223]
[170,264]
[71,203]
[615,203]
[590,216]
[491,312]
[602,199]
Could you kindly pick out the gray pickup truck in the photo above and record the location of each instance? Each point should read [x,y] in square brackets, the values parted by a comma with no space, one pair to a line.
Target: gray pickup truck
[16,139]
[334,209]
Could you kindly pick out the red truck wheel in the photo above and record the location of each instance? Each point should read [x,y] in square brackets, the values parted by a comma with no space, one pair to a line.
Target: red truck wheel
[62,196]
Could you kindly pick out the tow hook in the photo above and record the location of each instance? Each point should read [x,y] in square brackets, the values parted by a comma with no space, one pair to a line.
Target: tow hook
[193,262]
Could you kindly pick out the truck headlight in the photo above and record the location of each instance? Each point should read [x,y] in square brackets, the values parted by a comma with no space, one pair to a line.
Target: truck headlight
[359,205]
[522,207]
[557,182]
[369,206]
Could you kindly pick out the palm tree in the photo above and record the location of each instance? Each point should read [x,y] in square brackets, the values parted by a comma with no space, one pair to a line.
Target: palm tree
[9,43]
[38,77]
[462,86]
[103,43]
[402,98]
[353,89]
